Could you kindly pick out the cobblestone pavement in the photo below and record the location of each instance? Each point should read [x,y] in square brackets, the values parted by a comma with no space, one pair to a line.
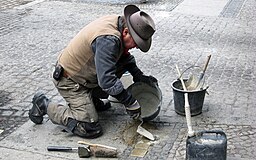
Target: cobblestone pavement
[31,37]
[8,4]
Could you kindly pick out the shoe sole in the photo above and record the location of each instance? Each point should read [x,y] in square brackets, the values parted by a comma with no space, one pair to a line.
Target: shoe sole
[92,136]
[35,119]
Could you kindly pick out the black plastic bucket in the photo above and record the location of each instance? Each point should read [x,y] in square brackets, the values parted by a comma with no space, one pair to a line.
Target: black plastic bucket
[196,99]
[207,145]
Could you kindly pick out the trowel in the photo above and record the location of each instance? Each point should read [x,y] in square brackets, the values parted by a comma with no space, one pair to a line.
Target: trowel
[194,82]
[142,131]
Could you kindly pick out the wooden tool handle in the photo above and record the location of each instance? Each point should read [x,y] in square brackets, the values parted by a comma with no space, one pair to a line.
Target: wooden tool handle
[99,150]
[207,62]
[91,144]
[187,106]
[102,151]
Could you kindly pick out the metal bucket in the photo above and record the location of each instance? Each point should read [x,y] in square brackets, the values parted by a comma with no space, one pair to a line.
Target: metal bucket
[149,98]
[196,99]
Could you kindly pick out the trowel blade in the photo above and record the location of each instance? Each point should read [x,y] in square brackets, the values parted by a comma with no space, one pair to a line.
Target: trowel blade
[142,131]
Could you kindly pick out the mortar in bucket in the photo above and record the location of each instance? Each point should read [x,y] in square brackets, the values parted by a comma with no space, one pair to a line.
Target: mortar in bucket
[149,97]
[196,99]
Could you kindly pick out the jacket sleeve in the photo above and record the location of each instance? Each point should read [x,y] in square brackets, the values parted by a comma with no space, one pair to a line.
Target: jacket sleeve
[106,50]
[131,66]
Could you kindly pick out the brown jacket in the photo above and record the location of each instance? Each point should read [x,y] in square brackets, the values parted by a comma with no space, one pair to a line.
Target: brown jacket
[77,58]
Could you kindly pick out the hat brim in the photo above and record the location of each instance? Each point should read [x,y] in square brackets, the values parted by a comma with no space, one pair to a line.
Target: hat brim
[142,44]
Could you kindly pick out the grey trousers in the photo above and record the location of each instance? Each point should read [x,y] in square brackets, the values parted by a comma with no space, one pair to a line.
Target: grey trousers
[79,103]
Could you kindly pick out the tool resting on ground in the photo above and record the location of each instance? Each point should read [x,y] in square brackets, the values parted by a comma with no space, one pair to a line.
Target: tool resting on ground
[83,152]
[99,150]
[96,150]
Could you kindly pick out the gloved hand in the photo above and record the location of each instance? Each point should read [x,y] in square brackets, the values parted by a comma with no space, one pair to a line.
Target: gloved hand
[146,79]
[131,104]
[134,110]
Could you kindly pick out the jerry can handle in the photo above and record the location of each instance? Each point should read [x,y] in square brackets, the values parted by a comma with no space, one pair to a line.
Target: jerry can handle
[213,131]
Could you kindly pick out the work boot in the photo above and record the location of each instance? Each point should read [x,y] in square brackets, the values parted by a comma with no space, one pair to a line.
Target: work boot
[38,110]
[101,105]
[84,129]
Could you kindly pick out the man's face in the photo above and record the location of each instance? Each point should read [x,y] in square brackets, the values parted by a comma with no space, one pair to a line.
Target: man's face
[128,40]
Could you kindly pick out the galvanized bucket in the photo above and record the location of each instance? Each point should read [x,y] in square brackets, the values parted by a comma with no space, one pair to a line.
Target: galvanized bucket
[149,98]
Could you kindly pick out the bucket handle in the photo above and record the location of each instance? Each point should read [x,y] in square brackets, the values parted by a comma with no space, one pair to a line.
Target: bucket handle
[192,66]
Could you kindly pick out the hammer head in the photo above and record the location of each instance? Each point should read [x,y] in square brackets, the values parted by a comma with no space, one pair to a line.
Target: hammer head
[84,152]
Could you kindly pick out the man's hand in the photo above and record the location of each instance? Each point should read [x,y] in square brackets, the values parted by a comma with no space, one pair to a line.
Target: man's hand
[134,110]
[146,79]
[131,104]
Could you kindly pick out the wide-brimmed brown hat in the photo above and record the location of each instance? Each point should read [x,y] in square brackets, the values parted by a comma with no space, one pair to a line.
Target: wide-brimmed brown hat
[141,26]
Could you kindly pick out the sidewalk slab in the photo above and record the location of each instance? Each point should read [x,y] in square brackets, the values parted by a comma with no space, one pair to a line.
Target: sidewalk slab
[201,7]
[14,154]
[32,140]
